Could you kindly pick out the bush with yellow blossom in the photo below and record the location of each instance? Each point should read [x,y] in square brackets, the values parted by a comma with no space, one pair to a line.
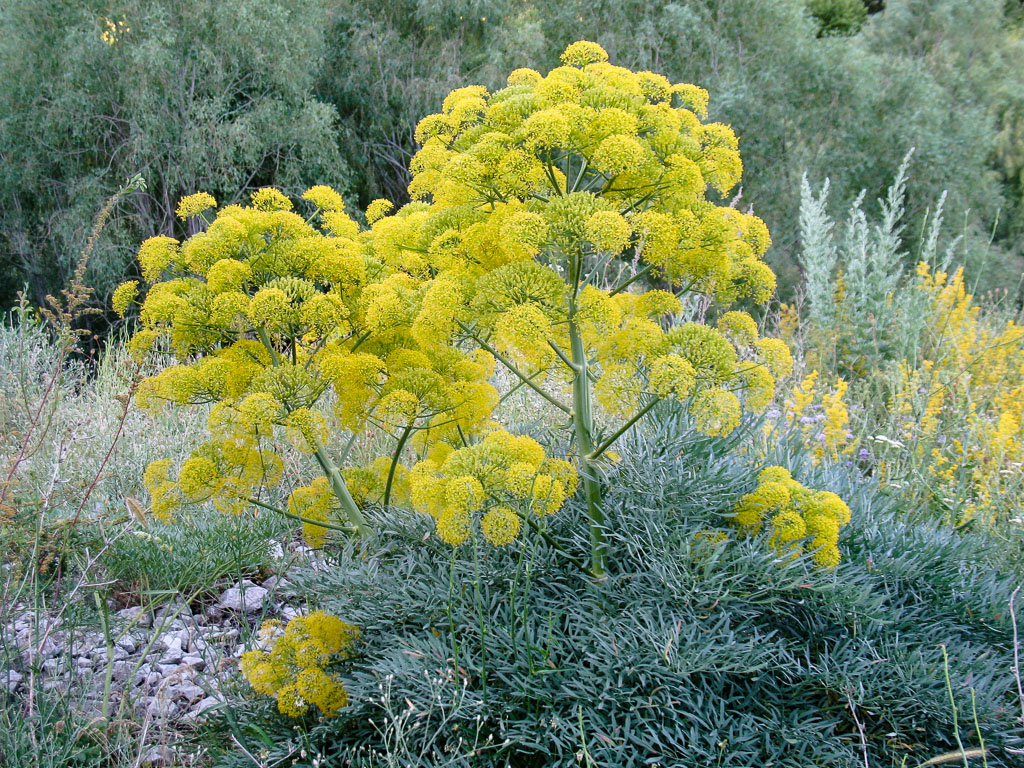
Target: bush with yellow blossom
[957,415]
[936,375]
[543,206]
[293,665]
[794,516]
[271,314]
[538,212]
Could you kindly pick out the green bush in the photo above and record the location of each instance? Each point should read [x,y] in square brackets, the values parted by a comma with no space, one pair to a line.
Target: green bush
[838,17]
[191,95]
[192,554]
[690,652]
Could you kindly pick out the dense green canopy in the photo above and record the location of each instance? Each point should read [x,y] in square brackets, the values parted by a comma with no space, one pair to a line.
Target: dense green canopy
[244,93]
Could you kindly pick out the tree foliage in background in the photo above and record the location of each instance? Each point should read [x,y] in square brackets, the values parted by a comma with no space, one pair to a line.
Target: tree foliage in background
[931,76]
[191,95]
[256,92]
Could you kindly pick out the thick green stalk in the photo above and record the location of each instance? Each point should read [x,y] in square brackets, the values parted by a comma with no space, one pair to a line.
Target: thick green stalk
[394,464]
[583,426]
[348,504]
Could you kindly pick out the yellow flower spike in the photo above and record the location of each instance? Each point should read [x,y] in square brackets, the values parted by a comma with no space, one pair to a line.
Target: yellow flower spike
[454,527]
[155,255]
[716,412]
[794,512]
[608,231]
[524,77]
[378,209]
[581,53]
[500,525]
[776,356]
[227,275]
[774,475]
[739,327]
[270,199]
[619,154]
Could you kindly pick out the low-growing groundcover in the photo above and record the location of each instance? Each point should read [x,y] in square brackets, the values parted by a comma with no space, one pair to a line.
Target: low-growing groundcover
[699,648]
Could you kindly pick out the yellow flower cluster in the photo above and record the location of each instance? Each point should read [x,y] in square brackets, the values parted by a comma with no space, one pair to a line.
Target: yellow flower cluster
[293,666]
[960,411]
[273,315]
[493,484]
[514,190]
[589,155]
[794,515]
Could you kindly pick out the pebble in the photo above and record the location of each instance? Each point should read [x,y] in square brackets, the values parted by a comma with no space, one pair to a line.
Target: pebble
[166,668]
[11,679]
[247,597]
[173,654]
[138,615]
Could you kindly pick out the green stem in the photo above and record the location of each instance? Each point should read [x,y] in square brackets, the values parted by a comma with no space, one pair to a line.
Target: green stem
[562,356]
[394,464]
[265,338]
[622,430]
[583,426]
[348,504]
[622,286]
[300,518]
[480,617]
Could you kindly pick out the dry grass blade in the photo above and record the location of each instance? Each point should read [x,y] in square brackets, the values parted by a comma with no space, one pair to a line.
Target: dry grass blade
[954,756]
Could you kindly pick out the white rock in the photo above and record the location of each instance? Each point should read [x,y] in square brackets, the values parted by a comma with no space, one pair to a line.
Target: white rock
[246,597]
[194,661]
[11,679]
[174,652]
[188,692]
[126,643]
[137,615]
[120,670]
[162,706]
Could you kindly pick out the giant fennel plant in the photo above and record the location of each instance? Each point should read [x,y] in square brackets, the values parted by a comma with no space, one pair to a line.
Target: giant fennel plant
[538,214]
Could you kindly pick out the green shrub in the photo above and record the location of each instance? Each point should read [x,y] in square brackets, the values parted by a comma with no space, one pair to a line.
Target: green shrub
[192,96]
[838,17]
[194,553]
[690,652]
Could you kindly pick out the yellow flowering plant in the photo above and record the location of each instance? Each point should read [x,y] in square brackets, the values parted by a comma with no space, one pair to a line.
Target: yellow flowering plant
[956,415]
[537,214]
[793,514]
[293,663]
[526,199]
[273,315]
